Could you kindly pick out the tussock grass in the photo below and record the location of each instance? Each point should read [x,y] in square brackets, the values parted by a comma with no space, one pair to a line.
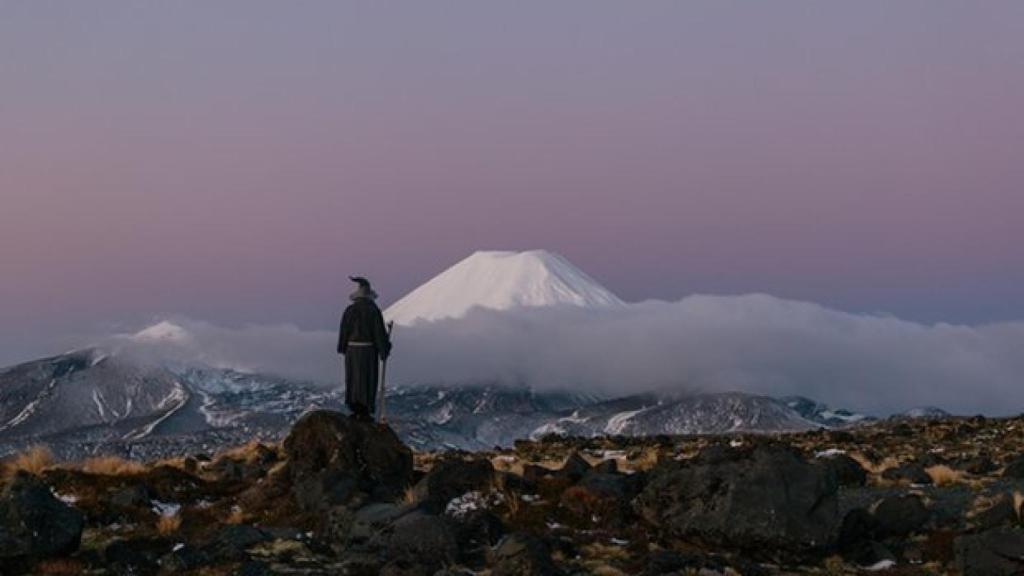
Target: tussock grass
[508,463]
[237,516]
[603,570]
[58,567]
[875,468]
[646,460]
[111,466]
[34,461]
[513,501]
[167,525]
[410,495]
[1018,500]
[943,475]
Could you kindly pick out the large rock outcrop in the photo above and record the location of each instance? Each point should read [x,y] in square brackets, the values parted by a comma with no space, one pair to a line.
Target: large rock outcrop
[998,552]
[332,458]
[765,501]
[34,524]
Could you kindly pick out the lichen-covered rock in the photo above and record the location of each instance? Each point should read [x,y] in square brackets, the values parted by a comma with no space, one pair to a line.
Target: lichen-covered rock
[521,554]
[452,478]
[426,539]
[900,515]
[765,500]
[35,524]
[998,552]
[848,471]
[332,457]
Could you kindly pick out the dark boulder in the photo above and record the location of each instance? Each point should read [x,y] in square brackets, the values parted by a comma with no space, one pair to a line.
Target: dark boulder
[601,498]
[848,471]
[857,539]
[35,524]
[405,567]
[521,554]
[332,458]
[452,478]
[1014,468]
[999,512]
[675,563]
[900,515]
[476,532]
[133,496]
[998,552]
[979,465]
[912,473]
[183,559]
[574,468]
[254,568]
[671,562]
[533,473]
[367,523]
[859,527]
[765,500]
[423,538]
[230,542]
[136,556]
[611,484]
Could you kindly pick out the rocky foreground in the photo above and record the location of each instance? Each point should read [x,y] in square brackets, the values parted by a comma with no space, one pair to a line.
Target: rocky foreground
[343,497]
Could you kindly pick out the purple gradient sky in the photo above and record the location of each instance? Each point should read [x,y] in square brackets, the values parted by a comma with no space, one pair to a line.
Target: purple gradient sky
[234,161]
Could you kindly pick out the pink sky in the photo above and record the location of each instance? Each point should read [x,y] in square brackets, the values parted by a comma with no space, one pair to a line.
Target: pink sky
[234,162]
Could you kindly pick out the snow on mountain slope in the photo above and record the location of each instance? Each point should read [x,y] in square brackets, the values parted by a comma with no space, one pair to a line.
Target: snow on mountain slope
[166,332]
[501,280]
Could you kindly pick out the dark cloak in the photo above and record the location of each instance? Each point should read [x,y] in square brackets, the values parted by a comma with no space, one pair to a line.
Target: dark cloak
[362,322]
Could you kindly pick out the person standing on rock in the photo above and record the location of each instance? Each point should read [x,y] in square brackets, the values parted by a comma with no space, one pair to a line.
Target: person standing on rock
[364,341]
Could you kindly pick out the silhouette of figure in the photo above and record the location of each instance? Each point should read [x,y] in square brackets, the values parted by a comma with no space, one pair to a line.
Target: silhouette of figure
[364,341]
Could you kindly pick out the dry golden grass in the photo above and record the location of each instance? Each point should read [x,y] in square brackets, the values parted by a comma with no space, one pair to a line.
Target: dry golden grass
[598,551]
[507,463]
[410,495]
[111,466]
[34,461]
[875,468]
[943,475]
[598,569]
[237,516]
[647,460]
[167,525]
[1018,499]
[176,462]
[58,567]
[513,501]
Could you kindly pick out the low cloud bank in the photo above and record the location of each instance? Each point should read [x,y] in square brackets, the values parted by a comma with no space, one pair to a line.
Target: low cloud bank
[754,343]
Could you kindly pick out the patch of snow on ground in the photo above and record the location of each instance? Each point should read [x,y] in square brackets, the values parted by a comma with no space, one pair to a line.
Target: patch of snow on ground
[166,509]
[881,565]
[829,453]
[472,501]
[65,498]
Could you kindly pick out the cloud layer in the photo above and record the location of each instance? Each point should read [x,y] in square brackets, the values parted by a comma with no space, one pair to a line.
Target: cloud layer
[753,343]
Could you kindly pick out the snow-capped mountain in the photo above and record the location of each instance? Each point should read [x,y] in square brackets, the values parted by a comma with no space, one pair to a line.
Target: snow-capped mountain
[824,415]
[94,401]
[501,281]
